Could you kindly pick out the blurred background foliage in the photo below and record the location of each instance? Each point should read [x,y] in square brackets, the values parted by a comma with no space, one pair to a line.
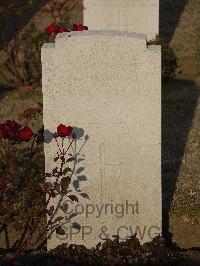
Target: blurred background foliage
[22,34]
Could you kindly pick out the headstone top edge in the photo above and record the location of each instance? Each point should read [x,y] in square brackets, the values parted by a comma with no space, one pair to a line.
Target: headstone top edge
[111,33]
[49,45]
[102,33]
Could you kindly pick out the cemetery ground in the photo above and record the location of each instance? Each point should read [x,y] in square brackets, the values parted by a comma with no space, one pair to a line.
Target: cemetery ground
[180,156]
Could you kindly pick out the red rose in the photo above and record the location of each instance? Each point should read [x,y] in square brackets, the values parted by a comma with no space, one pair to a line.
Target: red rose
[52,28]
[62,29]
[25,134]
[79,27]
[64,131]
[10,129]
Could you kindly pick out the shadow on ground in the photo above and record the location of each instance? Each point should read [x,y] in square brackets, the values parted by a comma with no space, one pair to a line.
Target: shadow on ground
[170,13]
[4,90]
[15,16]
[179,101]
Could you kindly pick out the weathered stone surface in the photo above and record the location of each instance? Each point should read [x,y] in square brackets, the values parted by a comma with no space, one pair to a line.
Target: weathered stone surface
[109,84]
[141,16]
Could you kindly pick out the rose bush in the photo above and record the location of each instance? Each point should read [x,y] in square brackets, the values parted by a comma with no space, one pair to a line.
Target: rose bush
[20,167]
[25,197]
[13,131]
[53,29]
[25,134]
[21,59]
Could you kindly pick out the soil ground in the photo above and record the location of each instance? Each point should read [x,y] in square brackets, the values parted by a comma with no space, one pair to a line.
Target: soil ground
[181,123]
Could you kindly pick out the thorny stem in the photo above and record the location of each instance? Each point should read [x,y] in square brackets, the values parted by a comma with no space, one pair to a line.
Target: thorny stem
[71,147]
[60,174]
[32,145]
[53,215]
[58,146]
[58,206]
[61,169]
[68,147]
[21,246]
[42,244]
[24,245]
[62,196]
[48,200]
[81,147]
[23,234]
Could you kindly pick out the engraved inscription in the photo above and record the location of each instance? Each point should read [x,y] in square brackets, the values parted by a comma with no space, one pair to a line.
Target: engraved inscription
[123,20]
[103,165]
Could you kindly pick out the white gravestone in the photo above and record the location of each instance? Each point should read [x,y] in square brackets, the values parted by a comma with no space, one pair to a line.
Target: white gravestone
[109,84]
[141,16]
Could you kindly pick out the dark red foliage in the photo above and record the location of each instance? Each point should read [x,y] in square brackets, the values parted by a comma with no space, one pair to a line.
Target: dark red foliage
[14,131]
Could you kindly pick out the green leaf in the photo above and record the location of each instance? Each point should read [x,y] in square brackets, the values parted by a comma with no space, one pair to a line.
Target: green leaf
[80,169]
[60,231]
[71,159]
[56,159]
[73,198]
[65,181]
[66,170]
[55,171]
[76,225]
[58,219]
